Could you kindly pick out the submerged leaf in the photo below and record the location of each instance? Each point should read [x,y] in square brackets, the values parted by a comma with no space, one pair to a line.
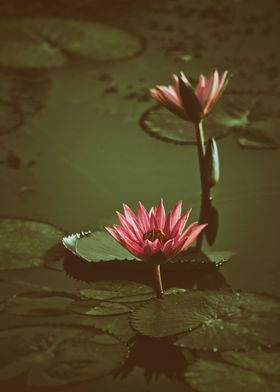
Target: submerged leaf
[206,376]
[27,244]
[264,362]
[10,117]
[53,356]
[39,304]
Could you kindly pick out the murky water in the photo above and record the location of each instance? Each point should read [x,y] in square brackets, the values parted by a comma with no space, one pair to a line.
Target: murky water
[82,153]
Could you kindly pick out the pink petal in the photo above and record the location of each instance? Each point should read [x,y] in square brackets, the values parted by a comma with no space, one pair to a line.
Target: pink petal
[193,235]
[176,213]
[208,88]
[143,218]
[155,246]
[211,93]
[129,214]
[130,227]
[125,235]
[180,225]
[167,226]
[133,248]
[160,215]
[180,239]
[199,92]
[113,233]
[167,247]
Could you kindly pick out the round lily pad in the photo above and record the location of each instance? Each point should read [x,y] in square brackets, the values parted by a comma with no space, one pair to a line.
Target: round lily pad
[117,326]
[10,117]
[212,320]
[96,246]
[258,120]
[253,117]
[43,43]
[27,244]
[96,308]
[100,246]
[118,291]
[53,356]
[162,124]
[206,376]
[39,304]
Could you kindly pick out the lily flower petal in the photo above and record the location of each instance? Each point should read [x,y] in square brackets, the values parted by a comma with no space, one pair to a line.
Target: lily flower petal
[152,237]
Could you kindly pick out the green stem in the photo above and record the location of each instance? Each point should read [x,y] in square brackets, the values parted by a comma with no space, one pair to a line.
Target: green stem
[158,281]
[201,154]
[205,190]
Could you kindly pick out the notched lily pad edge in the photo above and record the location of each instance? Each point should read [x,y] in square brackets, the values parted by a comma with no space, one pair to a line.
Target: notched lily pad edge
[70,241]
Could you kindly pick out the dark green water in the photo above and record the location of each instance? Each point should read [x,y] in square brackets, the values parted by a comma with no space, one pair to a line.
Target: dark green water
[91,155]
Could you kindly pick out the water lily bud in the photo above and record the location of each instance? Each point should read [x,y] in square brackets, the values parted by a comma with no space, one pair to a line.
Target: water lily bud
[212,163]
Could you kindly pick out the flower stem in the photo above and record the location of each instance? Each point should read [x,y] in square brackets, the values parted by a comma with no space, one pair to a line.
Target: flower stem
[205,190]
[158,281]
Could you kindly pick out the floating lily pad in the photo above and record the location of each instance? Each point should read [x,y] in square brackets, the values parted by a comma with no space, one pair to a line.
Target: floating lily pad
[100,246]
[162,124]
[27,244]
[10,117]
[206,376]
[53,356]
[117,326]
[118,291]
[259,119]
[96,308]
[253,117]
[96,246]
[43,43]
[212,320]
[39,304]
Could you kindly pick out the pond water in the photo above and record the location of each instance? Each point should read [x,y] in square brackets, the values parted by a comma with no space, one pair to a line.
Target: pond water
[73,150]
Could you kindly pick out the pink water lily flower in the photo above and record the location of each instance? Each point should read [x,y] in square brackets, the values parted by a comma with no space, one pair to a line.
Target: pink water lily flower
[153,237]
[190,104]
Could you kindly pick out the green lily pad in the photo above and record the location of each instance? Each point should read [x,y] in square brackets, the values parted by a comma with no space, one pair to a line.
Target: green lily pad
[39,304]
[164,125]
[260,128]
[206,376]
[27,244]
[44,43]
[96,308]
[53,356]
[253,117]
[96,246]
[118,326]
[100,246]
[212,320]
[118,291]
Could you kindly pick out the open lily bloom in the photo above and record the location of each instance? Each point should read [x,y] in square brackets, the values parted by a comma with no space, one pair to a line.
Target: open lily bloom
[183,100]
[152,236]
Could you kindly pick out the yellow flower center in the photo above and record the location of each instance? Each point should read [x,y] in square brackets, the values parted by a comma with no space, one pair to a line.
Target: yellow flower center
[155,234]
